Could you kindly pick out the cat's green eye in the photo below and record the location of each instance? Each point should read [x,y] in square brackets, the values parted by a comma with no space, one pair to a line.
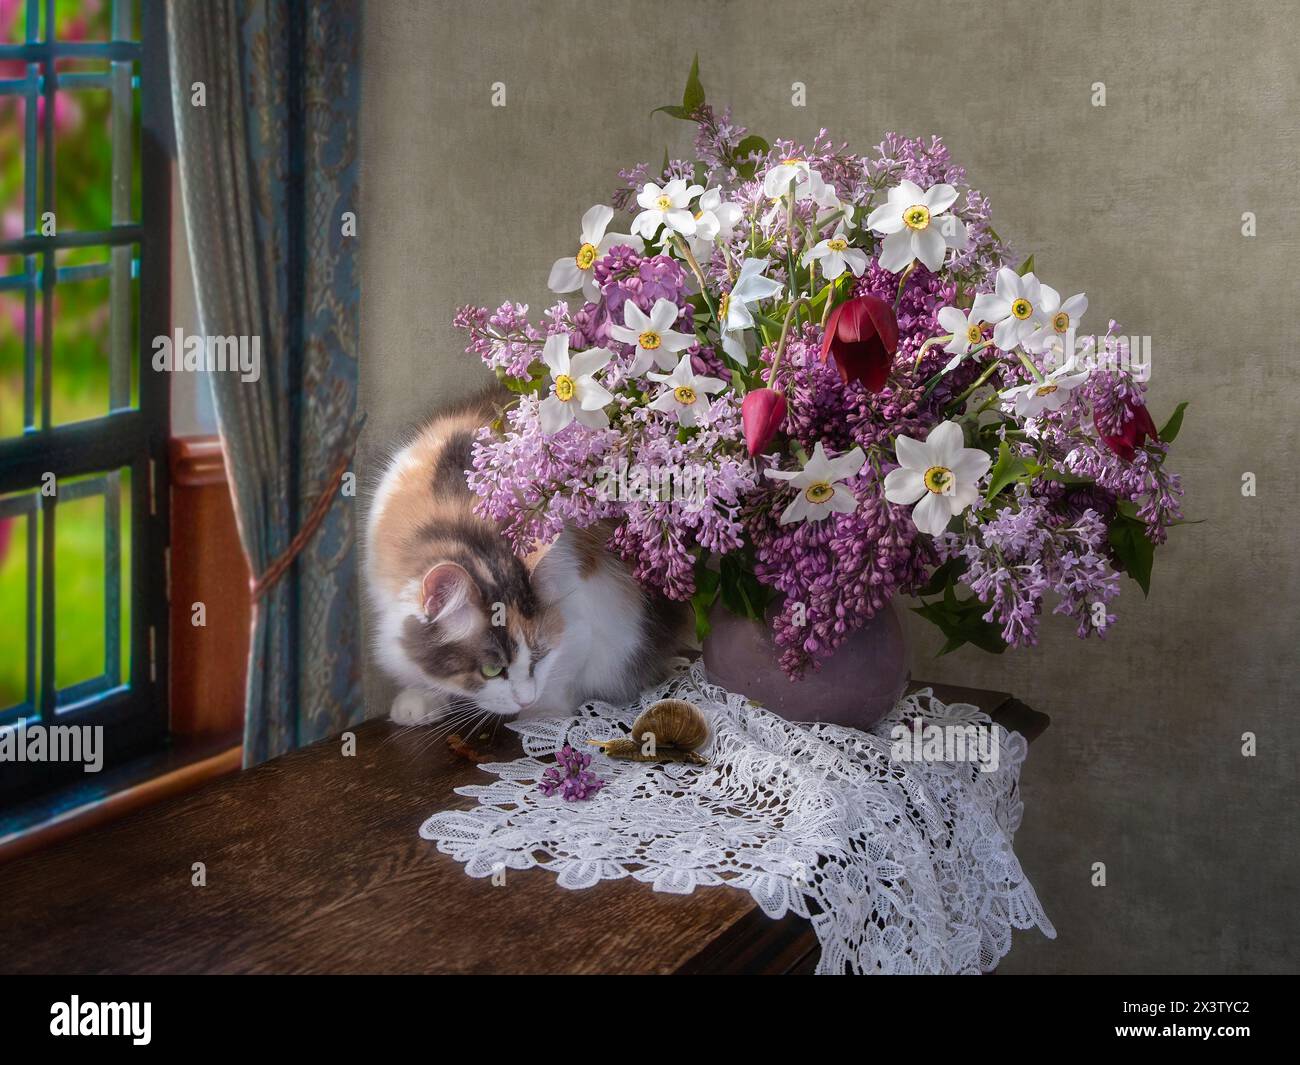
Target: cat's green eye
[491,670]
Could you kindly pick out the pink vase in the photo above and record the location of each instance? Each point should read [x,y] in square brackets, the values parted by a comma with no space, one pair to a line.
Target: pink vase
[856,686]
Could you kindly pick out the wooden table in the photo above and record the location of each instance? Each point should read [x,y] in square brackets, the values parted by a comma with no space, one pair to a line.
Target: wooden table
[314,864]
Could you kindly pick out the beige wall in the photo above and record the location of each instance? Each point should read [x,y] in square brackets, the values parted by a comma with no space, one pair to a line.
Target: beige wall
[1138,203]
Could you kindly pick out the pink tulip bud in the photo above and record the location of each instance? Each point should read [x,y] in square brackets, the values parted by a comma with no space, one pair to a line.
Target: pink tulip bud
[761,414]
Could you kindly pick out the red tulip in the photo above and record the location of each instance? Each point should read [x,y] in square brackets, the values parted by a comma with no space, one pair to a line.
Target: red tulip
[1134,434]
[862,334]
[761,415]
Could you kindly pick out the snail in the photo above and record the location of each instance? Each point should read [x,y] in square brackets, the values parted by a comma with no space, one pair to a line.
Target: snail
[670,728]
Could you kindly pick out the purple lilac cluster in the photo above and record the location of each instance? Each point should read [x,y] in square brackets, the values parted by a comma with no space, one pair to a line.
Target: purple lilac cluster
[834,574]
[623,275]
[531,484]
[703,510]
[504,339]
[1023,552]
[570,777]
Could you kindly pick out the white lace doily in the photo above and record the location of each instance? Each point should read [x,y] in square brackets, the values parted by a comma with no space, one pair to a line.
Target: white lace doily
[902,867]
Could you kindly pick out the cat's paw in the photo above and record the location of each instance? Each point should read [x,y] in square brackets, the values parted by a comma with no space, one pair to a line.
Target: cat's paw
[415,707]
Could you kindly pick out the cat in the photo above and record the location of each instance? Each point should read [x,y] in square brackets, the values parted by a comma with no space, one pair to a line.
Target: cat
[465,622]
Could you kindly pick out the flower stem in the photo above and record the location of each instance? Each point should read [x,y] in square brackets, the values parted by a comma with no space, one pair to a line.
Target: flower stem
[903,281]
[785,333]
[929,344]
[826,310]
[979,381]
[689,256]
[1029,365]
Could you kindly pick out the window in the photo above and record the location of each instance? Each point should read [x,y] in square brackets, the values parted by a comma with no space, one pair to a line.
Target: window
[84,211]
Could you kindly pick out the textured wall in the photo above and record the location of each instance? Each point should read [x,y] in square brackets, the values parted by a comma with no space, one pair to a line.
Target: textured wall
[1138,203]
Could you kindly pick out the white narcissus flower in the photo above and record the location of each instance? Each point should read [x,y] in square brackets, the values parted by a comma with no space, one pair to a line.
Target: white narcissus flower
[575,393]
[1014,308]
[750,287]
[939,474]
[1032,399]
[1058,319]
[714,220]
[686,393]
[574,272]
[915,226]
[820,492]
[834,254]
[965,330]
[808,184]
[656,344]
[776,182]
[668,206]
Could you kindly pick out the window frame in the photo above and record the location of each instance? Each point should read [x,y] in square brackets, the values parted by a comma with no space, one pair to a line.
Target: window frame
[134,714]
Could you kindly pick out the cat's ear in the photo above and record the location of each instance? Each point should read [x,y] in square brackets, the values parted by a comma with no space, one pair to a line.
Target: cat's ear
[451,599]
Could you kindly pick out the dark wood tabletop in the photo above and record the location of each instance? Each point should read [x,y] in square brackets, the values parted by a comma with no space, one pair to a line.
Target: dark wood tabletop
[314,864]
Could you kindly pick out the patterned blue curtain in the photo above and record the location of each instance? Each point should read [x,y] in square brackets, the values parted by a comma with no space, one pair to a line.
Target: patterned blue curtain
[266,98]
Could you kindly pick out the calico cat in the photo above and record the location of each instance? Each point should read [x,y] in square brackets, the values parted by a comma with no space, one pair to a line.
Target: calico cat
[459,616]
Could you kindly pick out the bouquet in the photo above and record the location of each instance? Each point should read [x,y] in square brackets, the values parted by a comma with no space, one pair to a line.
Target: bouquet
[802,381]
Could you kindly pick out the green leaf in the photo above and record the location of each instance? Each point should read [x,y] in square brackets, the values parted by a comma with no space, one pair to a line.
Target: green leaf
[944,576]
[1169,432]
[706,594]
[961,621]
[673,111]
[535,382]
[751,145]
[1027,267]
[741,591]
[1050,474]
[1132,549]
[693,97]
[1007,470]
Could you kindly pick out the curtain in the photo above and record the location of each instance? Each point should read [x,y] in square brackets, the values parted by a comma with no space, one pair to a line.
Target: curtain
[266,96]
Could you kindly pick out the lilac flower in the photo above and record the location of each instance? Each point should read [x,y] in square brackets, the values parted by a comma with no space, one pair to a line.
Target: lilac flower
[624,275]
[834,574]
[570,776]
[504,339]
[1026,550]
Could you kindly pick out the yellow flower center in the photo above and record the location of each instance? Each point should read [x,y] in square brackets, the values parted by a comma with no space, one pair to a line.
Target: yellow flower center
[819,492]
[973,334]
[1046,390]
[938,479]
[1022,308]
[724,306]
[664,203]
[793,161]
[685,395]
[838,244]
[586,256]
[916,216]
[565,387]
[1061,322]
[649,340]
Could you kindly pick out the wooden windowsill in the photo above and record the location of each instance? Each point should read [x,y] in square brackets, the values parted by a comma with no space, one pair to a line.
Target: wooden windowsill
[185,764]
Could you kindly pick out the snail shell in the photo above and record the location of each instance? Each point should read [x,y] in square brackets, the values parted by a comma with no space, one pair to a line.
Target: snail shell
[674,727]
